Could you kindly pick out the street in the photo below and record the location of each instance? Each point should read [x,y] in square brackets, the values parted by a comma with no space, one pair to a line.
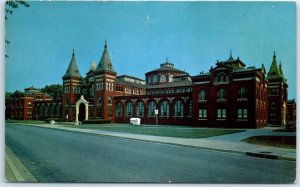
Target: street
[53,155]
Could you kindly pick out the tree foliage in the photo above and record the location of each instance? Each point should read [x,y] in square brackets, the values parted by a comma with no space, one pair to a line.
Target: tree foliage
[10,5]
[55,90]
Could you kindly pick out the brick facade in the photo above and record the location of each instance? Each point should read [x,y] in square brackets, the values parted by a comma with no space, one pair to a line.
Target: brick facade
[228,95]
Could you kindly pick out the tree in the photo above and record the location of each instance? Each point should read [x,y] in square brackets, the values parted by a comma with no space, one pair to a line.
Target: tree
[55,90]
[13,4]
[10,5]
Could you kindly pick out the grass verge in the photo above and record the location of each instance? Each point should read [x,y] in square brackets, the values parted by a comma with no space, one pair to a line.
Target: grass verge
[276,141]
[181,132]
[25,121]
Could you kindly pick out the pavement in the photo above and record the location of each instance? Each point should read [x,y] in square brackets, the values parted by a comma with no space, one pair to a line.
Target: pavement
[226,143]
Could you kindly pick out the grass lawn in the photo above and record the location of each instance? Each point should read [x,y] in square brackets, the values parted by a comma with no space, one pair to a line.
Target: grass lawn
[25,121]
[169,131]
[276,141]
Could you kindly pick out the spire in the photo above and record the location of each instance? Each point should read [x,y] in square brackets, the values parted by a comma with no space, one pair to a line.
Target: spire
[105,45]
[72,70]
[275,72]
[230,57]
[105,62]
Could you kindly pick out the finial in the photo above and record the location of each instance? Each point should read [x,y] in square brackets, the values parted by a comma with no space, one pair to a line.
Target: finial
[230,53]
[73,53]
[280,64]
[167,59]
[105,45]
[274,56]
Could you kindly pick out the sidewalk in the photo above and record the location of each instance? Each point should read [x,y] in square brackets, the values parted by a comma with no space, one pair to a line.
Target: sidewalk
[15,171]
[226,143]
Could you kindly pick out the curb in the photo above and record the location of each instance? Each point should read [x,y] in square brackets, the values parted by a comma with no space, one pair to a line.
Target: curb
[253,154]
[17,168]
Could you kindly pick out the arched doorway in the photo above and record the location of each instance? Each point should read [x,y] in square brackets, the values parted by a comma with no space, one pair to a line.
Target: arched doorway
[82,110]
[81,115]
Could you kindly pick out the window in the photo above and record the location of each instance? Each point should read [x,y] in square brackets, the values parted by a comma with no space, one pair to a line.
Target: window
[221,113]
[92,90]
[170,78]
[202,95]
[152,108]
[140,109]
[129,108]
[110,100]
[178,108]
[242,113]
[99,101]
[155,79]
[202,113]
[163,78]
[67,89]
[221,94]
[150,80]
[98,85]
[242,93]
[190,108]
[119,109]
[164,108]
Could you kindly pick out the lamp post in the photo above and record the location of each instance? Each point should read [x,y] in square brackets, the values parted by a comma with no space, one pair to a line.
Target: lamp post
[156,116]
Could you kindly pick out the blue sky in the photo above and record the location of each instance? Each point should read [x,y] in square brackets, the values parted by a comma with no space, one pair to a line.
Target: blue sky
[141,35]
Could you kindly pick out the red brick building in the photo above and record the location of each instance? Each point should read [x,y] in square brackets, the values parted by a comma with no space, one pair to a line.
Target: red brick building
[277,94]
[228,95]
[32,104]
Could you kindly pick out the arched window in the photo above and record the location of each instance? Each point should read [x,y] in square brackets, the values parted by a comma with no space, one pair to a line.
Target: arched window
[52,110]
[221,78]
[119,109]
[152,108]
[150,79]
[41,110]
[129,109]
[110,100]
[221,94]
[170,78]
[242,92]
[163,78]
[57,110]
[155,79]
[46,110]
[178,108]
[164,108]
[202,95]
[227,78]
[140,109]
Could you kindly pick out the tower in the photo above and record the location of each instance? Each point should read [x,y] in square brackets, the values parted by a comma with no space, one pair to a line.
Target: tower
[72,81]
[277,94]
[104,87]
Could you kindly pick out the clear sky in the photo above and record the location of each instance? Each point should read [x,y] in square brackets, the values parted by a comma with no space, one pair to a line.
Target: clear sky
[141,35]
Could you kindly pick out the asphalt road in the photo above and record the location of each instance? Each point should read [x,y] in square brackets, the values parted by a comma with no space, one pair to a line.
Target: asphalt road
[53,155]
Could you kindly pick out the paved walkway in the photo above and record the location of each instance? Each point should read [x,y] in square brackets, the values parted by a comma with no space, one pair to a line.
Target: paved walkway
[227,143]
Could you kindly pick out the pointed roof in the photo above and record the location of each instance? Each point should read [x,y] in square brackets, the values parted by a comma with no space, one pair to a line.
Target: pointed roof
[72,70]
[105,62]
[275,72]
